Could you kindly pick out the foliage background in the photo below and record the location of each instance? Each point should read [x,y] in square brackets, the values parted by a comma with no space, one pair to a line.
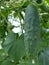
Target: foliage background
[12,48]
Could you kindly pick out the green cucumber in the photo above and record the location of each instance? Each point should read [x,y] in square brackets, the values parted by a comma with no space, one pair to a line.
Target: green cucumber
[32,29]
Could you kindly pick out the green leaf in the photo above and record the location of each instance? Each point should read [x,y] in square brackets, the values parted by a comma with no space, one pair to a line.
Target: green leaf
[44,57]
[14,46]
[7,62]
[47,1]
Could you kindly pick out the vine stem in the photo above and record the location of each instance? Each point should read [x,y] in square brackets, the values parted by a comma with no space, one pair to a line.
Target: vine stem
[44,14]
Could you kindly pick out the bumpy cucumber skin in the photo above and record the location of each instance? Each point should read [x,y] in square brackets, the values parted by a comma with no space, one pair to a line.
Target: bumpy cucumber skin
[32,29]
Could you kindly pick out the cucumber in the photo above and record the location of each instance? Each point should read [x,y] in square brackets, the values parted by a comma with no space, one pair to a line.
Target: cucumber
[32,29]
